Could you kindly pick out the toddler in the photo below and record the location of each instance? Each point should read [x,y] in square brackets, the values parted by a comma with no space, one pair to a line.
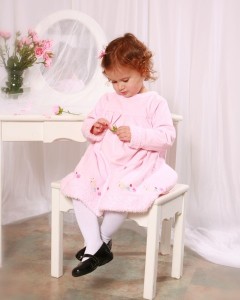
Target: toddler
[123,169]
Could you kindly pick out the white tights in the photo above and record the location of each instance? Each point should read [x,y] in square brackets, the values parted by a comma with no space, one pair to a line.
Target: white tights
[95,234]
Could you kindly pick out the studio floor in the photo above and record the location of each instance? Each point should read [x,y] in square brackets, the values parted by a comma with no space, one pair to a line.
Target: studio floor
[25,274]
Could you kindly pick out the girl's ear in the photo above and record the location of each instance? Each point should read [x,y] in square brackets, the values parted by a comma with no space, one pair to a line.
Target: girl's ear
[145,75]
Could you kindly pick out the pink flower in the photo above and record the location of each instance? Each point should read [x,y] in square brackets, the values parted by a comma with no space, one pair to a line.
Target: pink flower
[47,59]
[47,62]
[19,44]
[23,40]
[101,54]
[38,51]
[4,34]
[46,44]
[31,32]
[35,38]
[57,110]
[46,56]
[26,41]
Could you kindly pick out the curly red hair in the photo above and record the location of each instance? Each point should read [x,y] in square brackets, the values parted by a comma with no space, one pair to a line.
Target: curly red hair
[128,51]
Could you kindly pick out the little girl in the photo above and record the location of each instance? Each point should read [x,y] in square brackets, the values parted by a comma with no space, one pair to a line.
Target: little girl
[123,169]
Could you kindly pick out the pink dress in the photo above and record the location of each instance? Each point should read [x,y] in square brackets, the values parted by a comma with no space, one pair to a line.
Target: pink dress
[124,176]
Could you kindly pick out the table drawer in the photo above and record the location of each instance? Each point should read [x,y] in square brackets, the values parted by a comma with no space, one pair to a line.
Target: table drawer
[46,132]
[22,131]
[62,131]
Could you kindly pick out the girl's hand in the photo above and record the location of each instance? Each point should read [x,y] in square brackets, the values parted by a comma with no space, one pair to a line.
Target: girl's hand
[100,126]
[124,133]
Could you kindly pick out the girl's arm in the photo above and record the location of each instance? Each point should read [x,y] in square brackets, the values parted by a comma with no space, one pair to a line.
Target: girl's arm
[160,136]
[93,117]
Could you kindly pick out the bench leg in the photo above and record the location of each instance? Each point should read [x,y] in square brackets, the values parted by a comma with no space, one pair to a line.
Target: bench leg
[178,244]
[152,249]
[165,245]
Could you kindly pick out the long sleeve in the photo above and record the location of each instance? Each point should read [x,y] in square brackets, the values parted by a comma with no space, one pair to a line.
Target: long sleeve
[92,117]
[162,133]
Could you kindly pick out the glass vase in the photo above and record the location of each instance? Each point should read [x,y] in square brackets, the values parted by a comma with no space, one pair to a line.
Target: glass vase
[14,83]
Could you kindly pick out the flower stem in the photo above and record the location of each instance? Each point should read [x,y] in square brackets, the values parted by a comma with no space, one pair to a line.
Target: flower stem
[68,112]
[3,59]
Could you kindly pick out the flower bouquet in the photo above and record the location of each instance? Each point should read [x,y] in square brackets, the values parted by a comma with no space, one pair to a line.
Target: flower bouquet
[26,52]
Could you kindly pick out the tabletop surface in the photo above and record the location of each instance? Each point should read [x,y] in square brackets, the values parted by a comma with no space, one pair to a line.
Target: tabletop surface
[43,118]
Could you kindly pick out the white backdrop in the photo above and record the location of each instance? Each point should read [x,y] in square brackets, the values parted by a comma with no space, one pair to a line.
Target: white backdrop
[196,45]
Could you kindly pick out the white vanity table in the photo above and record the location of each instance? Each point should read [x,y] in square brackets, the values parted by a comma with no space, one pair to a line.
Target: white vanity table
[74,80]
[16,128]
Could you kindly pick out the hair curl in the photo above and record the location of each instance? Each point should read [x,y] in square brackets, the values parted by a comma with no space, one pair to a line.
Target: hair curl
[128,51]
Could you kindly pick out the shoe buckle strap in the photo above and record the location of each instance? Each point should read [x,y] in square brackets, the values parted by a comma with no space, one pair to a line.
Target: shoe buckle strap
[91,256]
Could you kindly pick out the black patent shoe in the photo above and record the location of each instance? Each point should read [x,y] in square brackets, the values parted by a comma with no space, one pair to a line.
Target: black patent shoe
[100,258]
[81,252]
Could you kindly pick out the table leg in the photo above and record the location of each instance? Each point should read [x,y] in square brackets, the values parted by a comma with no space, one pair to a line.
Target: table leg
[1,145]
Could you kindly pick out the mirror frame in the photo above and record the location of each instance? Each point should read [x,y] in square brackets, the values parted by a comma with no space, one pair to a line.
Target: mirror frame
[98,34]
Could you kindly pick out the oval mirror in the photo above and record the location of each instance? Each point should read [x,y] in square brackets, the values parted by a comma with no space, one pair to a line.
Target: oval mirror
[75,70]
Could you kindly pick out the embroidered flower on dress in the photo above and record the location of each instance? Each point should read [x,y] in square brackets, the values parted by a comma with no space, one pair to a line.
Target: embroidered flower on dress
[95,188]
[77,175]
[93,183]
[131,188]
[127,187]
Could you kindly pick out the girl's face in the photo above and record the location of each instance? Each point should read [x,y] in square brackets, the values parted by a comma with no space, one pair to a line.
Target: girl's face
[126,81]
